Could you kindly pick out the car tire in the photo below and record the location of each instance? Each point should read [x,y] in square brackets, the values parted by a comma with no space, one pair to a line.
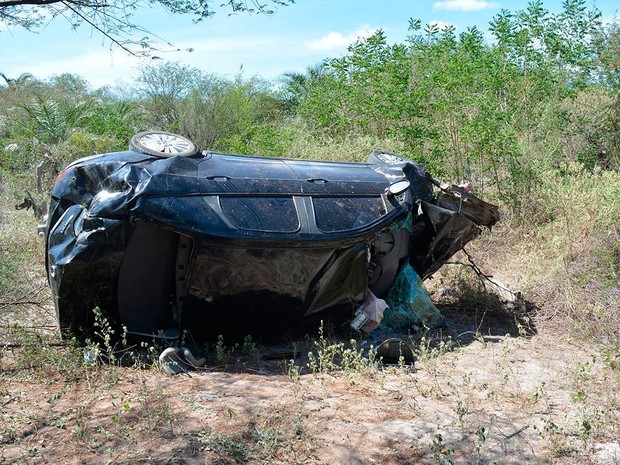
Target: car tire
[385,158]
[162,144]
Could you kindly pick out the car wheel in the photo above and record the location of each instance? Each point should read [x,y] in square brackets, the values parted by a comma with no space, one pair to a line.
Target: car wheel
[386,158]
[162,144]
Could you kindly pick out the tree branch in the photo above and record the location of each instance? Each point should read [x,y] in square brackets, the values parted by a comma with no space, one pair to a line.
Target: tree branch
[7,3]
[113,18]
[25,299]
[99,29]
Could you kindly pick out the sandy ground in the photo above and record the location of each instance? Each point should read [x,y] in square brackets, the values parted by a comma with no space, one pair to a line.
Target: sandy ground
[495,399]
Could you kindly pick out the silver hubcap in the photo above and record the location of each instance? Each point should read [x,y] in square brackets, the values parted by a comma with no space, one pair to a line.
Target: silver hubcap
[165,143]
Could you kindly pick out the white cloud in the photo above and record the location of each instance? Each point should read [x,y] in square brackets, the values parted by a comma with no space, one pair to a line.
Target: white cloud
[267,57]
[440,24]
[465,5]
[336,41]
[98,68]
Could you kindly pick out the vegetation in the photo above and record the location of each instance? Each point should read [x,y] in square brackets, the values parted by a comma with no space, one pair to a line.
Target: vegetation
[531,118]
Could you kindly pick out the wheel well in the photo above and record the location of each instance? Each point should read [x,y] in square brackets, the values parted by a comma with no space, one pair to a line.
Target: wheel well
[151,279]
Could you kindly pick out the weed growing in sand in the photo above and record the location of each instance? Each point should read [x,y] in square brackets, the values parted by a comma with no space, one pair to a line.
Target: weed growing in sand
[221,352]
[429,348]
[462,409]
[250,349]
[336,356]
[104,345]
[247,351]
[442,454]
[582,375]
[480,439]
[106,348]
[293,371]
[228,446]
[539,394]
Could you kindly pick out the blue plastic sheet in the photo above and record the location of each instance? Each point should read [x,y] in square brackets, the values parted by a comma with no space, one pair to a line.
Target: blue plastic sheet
[409,304]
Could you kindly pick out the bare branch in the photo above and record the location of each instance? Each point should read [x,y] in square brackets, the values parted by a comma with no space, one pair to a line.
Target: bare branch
[98,29]
[26,298]
[7,3]
[113,18]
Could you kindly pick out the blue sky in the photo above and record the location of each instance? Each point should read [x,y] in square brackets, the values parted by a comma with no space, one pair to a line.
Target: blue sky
[294,38]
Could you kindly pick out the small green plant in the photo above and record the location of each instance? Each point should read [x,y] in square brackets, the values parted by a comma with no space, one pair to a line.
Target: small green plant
[586,432]
[107,348]
[555,436]
[337,356]
[80,424]
[228,446]
[462,410]
[540,394]
[247,351]
[221,352]
[104,344]
[270,439]
[250,349]
[442,454]
[293,371]
[611,356]
[429,348]
[481,437]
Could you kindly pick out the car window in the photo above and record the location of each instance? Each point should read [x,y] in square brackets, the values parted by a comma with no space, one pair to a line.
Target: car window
[340,214]
[272,214]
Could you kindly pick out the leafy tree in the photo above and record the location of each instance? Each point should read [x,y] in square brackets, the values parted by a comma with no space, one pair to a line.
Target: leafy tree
[210,110]
[362,91]
[607,43]
[208,113]
[543,43]
[117,119]
[70,84]
[490,113]
[55,120]
[296,86]
[162,87]
[238,110]
[464,90]
[114,19]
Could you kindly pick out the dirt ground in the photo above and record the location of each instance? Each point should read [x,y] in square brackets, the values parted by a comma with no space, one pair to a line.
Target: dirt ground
[492,398]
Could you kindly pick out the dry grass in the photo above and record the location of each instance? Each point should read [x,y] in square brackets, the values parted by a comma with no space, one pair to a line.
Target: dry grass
[309,145]
[566,257]
[24,293]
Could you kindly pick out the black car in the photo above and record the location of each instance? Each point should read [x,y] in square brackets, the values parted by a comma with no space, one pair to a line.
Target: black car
[165,238]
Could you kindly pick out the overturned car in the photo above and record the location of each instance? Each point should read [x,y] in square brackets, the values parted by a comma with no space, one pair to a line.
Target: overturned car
[164,238]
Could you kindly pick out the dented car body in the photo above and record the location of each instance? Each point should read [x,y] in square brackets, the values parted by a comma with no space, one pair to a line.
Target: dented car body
[217,243]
